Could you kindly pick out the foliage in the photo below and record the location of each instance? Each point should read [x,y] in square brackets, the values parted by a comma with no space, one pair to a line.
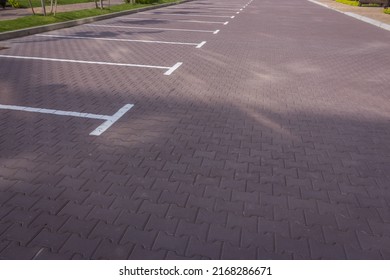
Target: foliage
[356,3]
[14,3]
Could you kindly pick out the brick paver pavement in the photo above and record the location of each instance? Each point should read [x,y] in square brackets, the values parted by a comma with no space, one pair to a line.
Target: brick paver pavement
[269,142]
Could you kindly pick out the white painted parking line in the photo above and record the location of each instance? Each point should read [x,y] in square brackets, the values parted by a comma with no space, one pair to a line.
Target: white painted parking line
[173,68]
[178,20]
[118,40]
[145,13]
[91,62]
[109,120]
[226,23]
[232,16]
[201,45]
[151,28]
[216,9]
[216,31]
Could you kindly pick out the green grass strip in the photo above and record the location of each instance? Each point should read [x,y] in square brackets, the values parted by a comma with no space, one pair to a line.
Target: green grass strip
[37,3]
[39,20]
[387,11]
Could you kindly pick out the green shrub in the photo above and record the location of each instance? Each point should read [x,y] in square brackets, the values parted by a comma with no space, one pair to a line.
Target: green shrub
[14,3]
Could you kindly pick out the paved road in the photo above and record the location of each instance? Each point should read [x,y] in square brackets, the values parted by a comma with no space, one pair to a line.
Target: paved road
[269,141]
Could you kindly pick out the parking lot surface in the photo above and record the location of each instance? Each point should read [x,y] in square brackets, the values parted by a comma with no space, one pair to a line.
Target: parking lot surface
[227,129]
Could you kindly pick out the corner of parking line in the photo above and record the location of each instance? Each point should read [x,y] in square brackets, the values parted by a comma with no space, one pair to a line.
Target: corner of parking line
[216,32]
[201,44]
[232,17]
[226,23]
[173,68]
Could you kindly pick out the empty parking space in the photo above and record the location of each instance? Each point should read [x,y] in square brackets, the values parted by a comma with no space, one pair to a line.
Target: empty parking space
[156,41]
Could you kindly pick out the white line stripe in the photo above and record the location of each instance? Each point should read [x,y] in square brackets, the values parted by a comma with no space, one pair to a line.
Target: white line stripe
[216,32]
[85,62]
[179,20]
[232,16]
[201,45]
[226,23]
[356,16]
[109,120]
[173,68]
[215,9]
[120,40]
[185,15]
[152,28]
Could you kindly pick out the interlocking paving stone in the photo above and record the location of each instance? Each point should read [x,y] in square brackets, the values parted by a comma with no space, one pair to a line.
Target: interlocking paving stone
[269,142]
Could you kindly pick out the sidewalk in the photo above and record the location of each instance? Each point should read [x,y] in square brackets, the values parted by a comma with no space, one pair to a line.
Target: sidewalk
[11,13]
[375,13]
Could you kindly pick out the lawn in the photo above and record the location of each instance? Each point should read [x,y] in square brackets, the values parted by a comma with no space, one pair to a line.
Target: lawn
[37,3]
[387,11]
[38,20]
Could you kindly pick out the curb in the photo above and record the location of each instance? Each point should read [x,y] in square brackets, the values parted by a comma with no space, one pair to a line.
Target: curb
[356,16]
[39,29]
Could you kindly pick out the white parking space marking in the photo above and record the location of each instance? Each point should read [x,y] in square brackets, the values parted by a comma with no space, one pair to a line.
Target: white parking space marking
[109,120]
[178,20]
[173,68]
[118,40]
[201,45]
[186,15]
[168,72]
[151,28]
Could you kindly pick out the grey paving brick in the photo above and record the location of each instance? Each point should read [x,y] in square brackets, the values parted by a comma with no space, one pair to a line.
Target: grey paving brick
[20,234]
[326,251]
[265,241]
[188,213]
[203,249]
[143,238]
[219,233]
[84,247]
[128,204]
[171,243]
[167,225]
[270,226]
[76,210]
[18,252]
[108,231]
[103,214]
[140,253]
[218,218]
[48,239]
[76,226]
[154,208]
[354,253]
[254,209]
[108,250]
[299,248]
[133,219]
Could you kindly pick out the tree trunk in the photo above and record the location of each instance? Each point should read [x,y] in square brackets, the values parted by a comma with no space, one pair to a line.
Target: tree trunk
[43,7]
[32,9]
